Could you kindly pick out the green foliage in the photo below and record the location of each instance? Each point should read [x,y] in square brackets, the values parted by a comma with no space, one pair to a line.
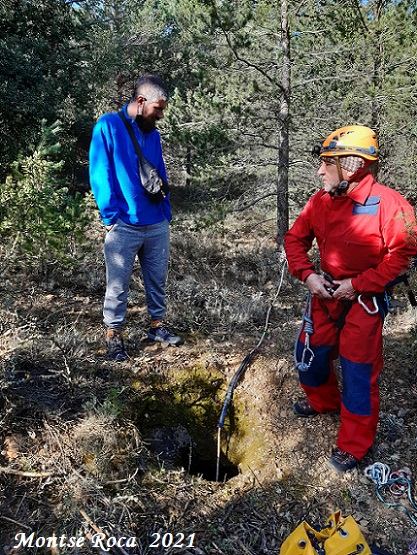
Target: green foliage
[352,64]
[223,61]
[40,221]
[213,217]
[114,404]
[221,126]
[44,74]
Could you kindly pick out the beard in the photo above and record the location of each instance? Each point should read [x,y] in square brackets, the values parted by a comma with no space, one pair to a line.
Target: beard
[145,125]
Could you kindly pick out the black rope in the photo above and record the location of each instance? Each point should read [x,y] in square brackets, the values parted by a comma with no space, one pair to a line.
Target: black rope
[232,386]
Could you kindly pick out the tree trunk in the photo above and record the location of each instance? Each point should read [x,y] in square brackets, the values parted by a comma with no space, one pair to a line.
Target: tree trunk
[188,168]
[379,69]
[283,150]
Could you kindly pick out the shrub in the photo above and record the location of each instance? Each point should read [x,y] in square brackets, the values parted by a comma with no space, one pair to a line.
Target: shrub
[40,222]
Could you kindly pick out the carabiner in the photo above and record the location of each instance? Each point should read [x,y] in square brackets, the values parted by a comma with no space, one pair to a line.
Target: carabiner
[363,305]
[307,326]
[303,366]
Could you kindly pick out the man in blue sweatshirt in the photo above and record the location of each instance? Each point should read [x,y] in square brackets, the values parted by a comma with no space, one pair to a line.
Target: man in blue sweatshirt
[136,222]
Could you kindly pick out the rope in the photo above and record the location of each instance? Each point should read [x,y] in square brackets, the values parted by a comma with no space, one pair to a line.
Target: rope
[236,377]
[398,483]
[412,549]
[378,472]
[307,326]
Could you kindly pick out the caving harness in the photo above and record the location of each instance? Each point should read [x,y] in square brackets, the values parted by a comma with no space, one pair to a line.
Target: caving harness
[403,278]
[307,326]
[380,304]
[307,355]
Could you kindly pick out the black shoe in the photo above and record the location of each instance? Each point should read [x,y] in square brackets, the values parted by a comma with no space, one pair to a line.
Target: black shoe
[341,461]
[303,408]
[115,346]
[163,335]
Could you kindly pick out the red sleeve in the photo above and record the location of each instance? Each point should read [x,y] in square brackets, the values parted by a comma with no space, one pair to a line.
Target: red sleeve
[297,243]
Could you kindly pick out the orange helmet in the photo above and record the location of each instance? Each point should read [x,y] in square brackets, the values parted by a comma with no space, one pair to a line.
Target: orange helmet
[352,140]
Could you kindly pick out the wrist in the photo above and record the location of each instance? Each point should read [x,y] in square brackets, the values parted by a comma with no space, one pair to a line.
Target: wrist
[308,276]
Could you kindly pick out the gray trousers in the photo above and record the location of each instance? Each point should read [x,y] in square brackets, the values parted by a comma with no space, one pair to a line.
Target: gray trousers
[122,244]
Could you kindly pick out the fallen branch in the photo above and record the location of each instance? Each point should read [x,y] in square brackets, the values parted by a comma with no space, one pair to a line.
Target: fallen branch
[25,473]
[20,524]
[99,531]
[90,522]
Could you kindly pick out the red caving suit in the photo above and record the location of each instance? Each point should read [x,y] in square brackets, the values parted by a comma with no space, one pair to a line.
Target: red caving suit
[366,235]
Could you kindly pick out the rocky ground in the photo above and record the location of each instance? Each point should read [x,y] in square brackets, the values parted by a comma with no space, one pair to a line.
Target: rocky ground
[78,433]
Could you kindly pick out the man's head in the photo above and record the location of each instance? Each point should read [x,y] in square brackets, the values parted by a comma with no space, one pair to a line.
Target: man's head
[347,153]
[150,98]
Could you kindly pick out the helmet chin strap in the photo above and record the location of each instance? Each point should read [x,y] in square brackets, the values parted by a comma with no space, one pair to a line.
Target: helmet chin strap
[344,183]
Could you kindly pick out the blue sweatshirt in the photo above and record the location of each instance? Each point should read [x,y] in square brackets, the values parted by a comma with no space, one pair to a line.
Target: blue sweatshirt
[114,174]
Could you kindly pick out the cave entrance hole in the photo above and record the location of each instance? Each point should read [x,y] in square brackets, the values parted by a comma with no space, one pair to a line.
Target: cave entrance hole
[178,420]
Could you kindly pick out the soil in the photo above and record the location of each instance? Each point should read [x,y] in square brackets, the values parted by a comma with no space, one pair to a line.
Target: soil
[76,430]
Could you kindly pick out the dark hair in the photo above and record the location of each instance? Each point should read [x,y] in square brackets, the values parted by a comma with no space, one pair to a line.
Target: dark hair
[151,87]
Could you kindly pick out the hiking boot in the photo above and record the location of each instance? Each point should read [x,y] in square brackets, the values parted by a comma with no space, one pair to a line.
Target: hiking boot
[341,461]
[163,335]
[303,408]
[115,346]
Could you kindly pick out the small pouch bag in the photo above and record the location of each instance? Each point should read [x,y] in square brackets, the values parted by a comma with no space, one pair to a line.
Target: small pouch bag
[155,186]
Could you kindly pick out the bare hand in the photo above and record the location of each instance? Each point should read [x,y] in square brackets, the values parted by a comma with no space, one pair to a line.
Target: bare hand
[344,291]
[319,286]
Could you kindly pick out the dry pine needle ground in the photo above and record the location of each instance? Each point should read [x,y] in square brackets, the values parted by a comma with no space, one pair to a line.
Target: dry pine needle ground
[74,456]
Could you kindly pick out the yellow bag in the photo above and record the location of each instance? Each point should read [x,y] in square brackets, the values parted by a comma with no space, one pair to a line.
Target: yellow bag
[340,536]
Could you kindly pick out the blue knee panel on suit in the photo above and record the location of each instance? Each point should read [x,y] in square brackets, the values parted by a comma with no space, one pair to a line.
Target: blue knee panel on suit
[356,394]
[319,371]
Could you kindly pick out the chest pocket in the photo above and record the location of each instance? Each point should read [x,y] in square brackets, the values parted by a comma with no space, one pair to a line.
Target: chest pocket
[370,207]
